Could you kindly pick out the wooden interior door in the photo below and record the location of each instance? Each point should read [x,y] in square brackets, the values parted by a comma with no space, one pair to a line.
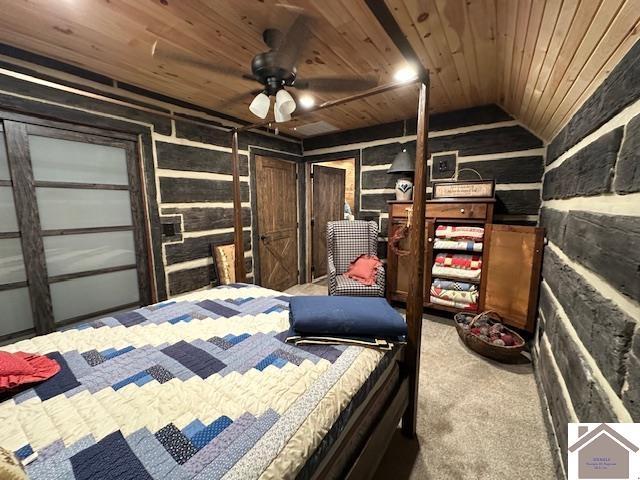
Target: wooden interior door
[328,206]
[277,222]
[511,263]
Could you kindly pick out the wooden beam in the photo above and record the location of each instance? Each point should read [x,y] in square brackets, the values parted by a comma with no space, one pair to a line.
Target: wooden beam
[388,22]
[24,192]
[416,274]
[237,211]
[340,101]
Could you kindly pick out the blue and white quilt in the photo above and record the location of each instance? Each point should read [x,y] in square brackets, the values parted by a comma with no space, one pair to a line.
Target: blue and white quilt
[199,387]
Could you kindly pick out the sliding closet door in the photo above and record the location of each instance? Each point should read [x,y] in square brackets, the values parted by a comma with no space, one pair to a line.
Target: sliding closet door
[15,303]
[81,221]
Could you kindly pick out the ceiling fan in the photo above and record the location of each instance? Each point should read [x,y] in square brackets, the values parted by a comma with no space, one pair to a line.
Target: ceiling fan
[276,71]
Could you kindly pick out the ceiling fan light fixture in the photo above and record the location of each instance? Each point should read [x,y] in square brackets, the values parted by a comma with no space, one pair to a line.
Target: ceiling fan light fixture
[260,105]
[306,101]
[281,116]
[285,103]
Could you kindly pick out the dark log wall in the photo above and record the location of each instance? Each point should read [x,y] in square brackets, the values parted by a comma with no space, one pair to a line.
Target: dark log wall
[485,139]
[588,349]
[187,166]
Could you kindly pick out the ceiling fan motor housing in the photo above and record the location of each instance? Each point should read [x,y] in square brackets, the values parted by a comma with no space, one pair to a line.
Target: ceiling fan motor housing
[266,70]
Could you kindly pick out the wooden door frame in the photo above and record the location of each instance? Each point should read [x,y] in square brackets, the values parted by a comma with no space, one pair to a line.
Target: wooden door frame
[300,212]
[308,164]
[60,116]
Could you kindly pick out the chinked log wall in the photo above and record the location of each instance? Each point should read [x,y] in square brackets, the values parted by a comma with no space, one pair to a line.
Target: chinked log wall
[588,352]
[187,166]
[485,139]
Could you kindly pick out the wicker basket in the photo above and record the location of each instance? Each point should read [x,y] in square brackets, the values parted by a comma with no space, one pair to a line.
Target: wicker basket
[505,354]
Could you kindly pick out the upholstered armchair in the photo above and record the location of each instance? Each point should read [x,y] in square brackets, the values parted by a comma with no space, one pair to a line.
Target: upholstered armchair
[346,241]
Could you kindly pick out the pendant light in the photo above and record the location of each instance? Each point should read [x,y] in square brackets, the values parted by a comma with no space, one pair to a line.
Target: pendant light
[260,105]
[403,164]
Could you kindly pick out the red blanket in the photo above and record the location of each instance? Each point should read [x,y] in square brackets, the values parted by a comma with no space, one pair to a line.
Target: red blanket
[459,260]
[364,269]
[19,368]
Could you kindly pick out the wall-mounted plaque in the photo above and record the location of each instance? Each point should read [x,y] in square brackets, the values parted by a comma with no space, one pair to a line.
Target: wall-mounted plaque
[466,189]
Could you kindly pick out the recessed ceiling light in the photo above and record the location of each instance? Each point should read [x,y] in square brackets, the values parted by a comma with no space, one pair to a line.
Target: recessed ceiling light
[307,101]
[405,74]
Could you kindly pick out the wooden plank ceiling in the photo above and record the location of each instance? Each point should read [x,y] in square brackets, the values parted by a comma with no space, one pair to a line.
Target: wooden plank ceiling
[115,37]
[539,59]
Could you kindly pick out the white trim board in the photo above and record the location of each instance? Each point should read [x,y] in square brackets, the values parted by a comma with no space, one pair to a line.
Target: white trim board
[195,174]
[200,205]
[609,203]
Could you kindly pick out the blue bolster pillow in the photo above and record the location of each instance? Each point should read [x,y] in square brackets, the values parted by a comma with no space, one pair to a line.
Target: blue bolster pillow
[333,315]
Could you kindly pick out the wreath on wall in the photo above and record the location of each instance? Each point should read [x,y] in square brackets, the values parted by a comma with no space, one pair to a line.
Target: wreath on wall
[401,233]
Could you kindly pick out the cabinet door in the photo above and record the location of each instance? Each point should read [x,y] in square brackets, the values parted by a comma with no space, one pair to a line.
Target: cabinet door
[399,266]
[512,263]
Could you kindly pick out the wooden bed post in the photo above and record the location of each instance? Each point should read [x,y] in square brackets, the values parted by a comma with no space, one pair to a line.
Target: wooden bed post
[416,275]
[237,211]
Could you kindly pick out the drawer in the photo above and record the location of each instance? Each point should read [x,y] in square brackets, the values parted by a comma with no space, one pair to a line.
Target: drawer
[457,210]
[399,209]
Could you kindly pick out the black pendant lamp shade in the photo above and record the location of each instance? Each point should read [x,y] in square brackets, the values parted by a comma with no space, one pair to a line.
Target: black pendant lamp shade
[402,163]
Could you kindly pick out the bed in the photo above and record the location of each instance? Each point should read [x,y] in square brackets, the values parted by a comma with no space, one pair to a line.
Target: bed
[205,387]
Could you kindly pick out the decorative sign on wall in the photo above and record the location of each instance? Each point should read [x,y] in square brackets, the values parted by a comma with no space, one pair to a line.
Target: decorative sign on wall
[467,189]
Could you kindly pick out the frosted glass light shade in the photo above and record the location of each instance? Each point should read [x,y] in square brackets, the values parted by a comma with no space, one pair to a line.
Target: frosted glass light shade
[280,116]
[284,102]
[260,105]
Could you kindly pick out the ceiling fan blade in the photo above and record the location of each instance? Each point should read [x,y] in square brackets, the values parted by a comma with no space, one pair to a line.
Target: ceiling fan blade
[235,99]
[160,53]
[293,42]
[336,84]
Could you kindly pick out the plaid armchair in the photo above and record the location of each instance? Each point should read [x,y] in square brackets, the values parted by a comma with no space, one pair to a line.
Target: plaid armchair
[347,240]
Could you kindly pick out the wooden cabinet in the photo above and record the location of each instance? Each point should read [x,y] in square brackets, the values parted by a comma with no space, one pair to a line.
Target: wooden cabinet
[511,259]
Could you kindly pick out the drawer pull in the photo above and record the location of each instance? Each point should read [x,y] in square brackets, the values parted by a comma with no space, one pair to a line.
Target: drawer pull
[462,210]
[429,239]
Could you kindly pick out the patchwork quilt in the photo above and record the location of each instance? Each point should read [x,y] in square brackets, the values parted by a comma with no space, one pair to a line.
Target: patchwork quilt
[199,387]
[460,232]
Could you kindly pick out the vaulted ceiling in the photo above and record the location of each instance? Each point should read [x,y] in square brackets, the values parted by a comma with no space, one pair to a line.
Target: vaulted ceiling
[539,59]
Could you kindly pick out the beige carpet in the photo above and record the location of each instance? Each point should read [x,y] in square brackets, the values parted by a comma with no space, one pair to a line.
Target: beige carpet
[478,419]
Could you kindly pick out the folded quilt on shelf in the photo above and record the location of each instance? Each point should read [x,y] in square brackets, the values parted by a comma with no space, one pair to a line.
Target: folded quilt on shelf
[459,232]
[454,295]
[457,273]
[459,260]
[466,245]
[451,303]
[453,285]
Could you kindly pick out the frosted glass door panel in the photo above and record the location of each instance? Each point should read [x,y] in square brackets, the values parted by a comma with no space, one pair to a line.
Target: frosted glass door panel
[90,251]
[85,295]
[59,160]
[8,220]
[4,166]
[11,262]
[15,306]
[81,208]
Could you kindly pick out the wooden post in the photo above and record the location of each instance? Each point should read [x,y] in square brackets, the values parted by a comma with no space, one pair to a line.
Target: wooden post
[416,274]
[237,211]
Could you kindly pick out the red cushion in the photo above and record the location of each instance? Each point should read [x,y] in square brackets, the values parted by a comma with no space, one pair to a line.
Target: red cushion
[19,368]
[363,269]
